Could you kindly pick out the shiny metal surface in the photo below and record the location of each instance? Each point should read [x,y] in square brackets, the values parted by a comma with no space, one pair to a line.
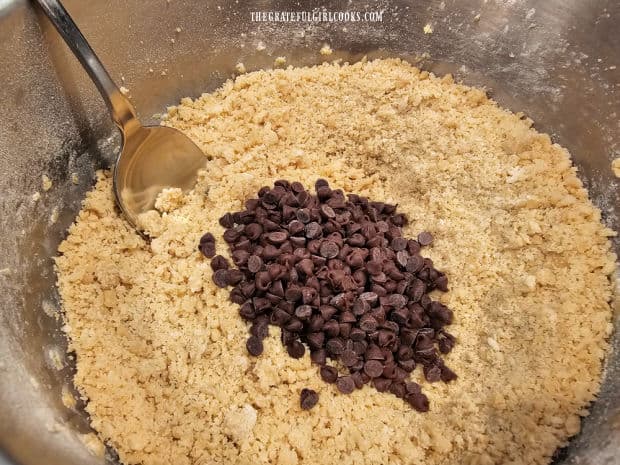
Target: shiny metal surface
[557,61]
[151,158]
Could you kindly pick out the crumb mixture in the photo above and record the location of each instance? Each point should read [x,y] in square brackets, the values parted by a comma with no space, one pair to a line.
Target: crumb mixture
[161,350]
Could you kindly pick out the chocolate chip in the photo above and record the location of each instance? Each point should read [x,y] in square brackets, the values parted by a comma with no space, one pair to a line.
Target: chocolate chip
[220,278]
[260,329]
[254,346]
[425,238]
[381,384]
[418,401]
[335,346]
[327,211]
[303,215]
[399,244]
[329,374]
[219,263]
[308,399]
[318,357]
[432,373]
[329,249]
[303,312]
[296,349]
[345,384]
[313,230]
[207,249]
[368,323]
[227,221]
[349,358]
[234,277]
[373,368]
[277,237]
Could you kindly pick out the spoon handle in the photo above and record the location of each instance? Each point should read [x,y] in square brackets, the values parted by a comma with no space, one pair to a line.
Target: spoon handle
[121,110]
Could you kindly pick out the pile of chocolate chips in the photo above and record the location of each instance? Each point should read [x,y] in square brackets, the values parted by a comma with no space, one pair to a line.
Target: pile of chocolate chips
[336,274]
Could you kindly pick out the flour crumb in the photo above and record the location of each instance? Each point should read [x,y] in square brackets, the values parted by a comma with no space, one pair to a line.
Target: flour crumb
[260,46]
[326,50]
[615,167]
[428,29]
[240,68]
[67,397]
[169,199]
[75,178]
[36,196]
[239,422]
[46,182]
[279,61]
[94,444]
[124,90]
[54,215]
[53,426]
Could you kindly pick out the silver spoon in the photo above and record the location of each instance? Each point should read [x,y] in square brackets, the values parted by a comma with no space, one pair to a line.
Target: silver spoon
[152,157]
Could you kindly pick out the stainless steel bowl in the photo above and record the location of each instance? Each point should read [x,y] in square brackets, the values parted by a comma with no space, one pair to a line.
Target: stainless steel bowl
[558,61]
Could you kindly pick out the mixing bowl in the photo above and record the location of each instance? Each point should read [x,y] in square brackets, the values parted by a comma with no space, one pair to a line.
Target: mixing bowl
[557,61]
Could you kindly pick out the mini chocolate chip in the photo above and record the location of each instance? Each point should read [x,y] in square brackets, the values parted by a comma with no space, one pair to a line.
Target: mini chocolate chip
[357,334]
[294,325]
[381,384]
[219,263]
[234,277]
[220,278]
[277,237]
[398,244]
[313,230]
[432,373]
[207,249]
[335,345]
[414,263]
[345,384]
[296,349]
[374,352]
[349,358]
[402,256]
[253,231]
[397,300]
[425,238]
[329,249]
[303,312]
[260,329]
[227,221]
[373,368]
[368,323]
[331,328]
[329,374]
[303,215]
[316,340]
[308,399]
[327,211]
[206,238]
[418,401]
[407,365]
[254,346]
[398,389]
[318,356]
[447,374]
[297,187]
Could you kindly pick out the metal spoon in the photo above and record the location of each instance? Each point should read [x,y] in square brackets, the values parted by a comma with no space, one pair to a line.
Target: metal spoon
[152,157]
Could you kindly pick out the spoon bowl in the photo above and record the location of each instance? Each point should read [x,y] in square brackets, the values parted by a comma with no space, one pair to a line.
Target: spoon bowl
[152,157]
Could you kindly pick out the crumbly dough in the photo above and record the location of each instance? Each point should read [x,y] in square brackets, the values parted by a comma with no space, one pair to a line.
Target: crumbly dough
[161,351]
[615,167]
